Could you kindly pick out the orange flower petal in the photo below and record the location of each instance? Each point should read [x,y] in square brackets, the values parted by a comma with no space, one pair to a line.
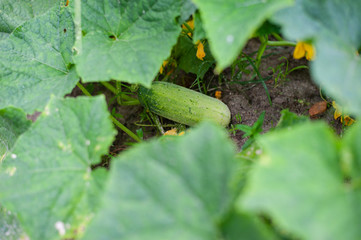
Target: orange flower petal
[200,51]
[163,66]
[218,94]
[191,24]
[310,51]
[299,51]
[348,120]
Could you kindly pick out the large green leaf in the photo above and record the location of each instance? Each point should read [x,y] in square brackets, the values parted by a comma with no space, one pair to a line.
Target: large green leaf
[35,61]
[243,226]
[351,153]
[13,123]
[337,69]
[299,181]
[47,181]
[172,188]
[126,40]
[9,226]
[229,24]
[13,13]
[333,27]
[187,9]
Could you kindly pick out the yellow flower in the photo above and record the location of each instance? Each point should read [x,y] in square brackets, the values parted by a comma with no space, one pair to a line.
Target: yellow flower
[173,132]
[200,50]
[348,120]
[163,66]
[338,112]
[218,94]
[343,118]
[303,49]
[190,23]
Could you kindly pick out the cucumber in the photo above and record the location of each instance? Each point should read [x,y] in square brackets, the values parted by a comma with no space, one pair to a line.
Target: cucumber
[183,105]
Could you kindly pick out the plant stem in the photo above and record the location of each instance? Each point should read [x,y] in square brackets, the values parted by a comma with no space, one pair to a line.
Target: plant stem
[125,129]
[281,43]
[110,87]
[118,87]
[260,77]
[277,36]
[262,48]
[129,100]
[115,121]
[83,89]
[297,68]
[155,119]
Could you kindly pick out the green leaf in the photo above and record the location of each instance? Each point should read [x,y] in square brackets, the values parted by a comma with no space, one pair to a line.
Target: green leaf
[267,28]
[186,54]
[9,226]
[13,123]
[126,40]
[47,181]
[13,13]
[337,69]
[351,152]
[309,19]
[251,131]
[241,224]
[35,61]
[299,182]
[229,24]
[198,33]
[187,9]
[332,25]
[171,188]
[289,119]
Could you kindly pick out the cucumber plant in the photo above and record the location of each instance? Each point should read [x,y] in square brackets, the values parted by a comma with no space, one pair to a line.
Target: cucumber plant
[184,187]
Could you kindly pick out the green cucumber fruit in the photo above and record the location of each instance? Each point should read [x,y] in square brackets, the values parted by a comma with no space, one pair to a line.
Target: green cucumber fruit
[182,104]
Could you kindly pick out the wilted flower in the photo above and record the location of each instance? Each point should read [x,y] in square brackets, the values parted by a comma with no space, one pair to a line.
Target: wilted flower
[343,118]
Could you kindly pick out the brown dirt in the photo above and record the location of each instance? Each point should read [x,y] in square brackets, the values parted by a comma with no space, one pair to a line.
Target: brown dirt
[297,93]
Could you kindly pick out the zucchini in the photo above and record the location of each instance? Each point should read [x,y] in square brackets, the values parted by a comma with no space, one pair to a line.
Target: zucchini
[182,105]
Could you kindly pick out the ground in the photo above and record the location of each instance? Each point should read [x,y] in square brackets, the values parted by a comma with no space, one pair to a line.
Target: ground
[295,92]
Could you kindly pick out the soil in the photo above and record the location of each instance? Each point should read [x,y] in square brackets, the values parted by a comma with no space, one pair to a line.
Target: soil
[296,92]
